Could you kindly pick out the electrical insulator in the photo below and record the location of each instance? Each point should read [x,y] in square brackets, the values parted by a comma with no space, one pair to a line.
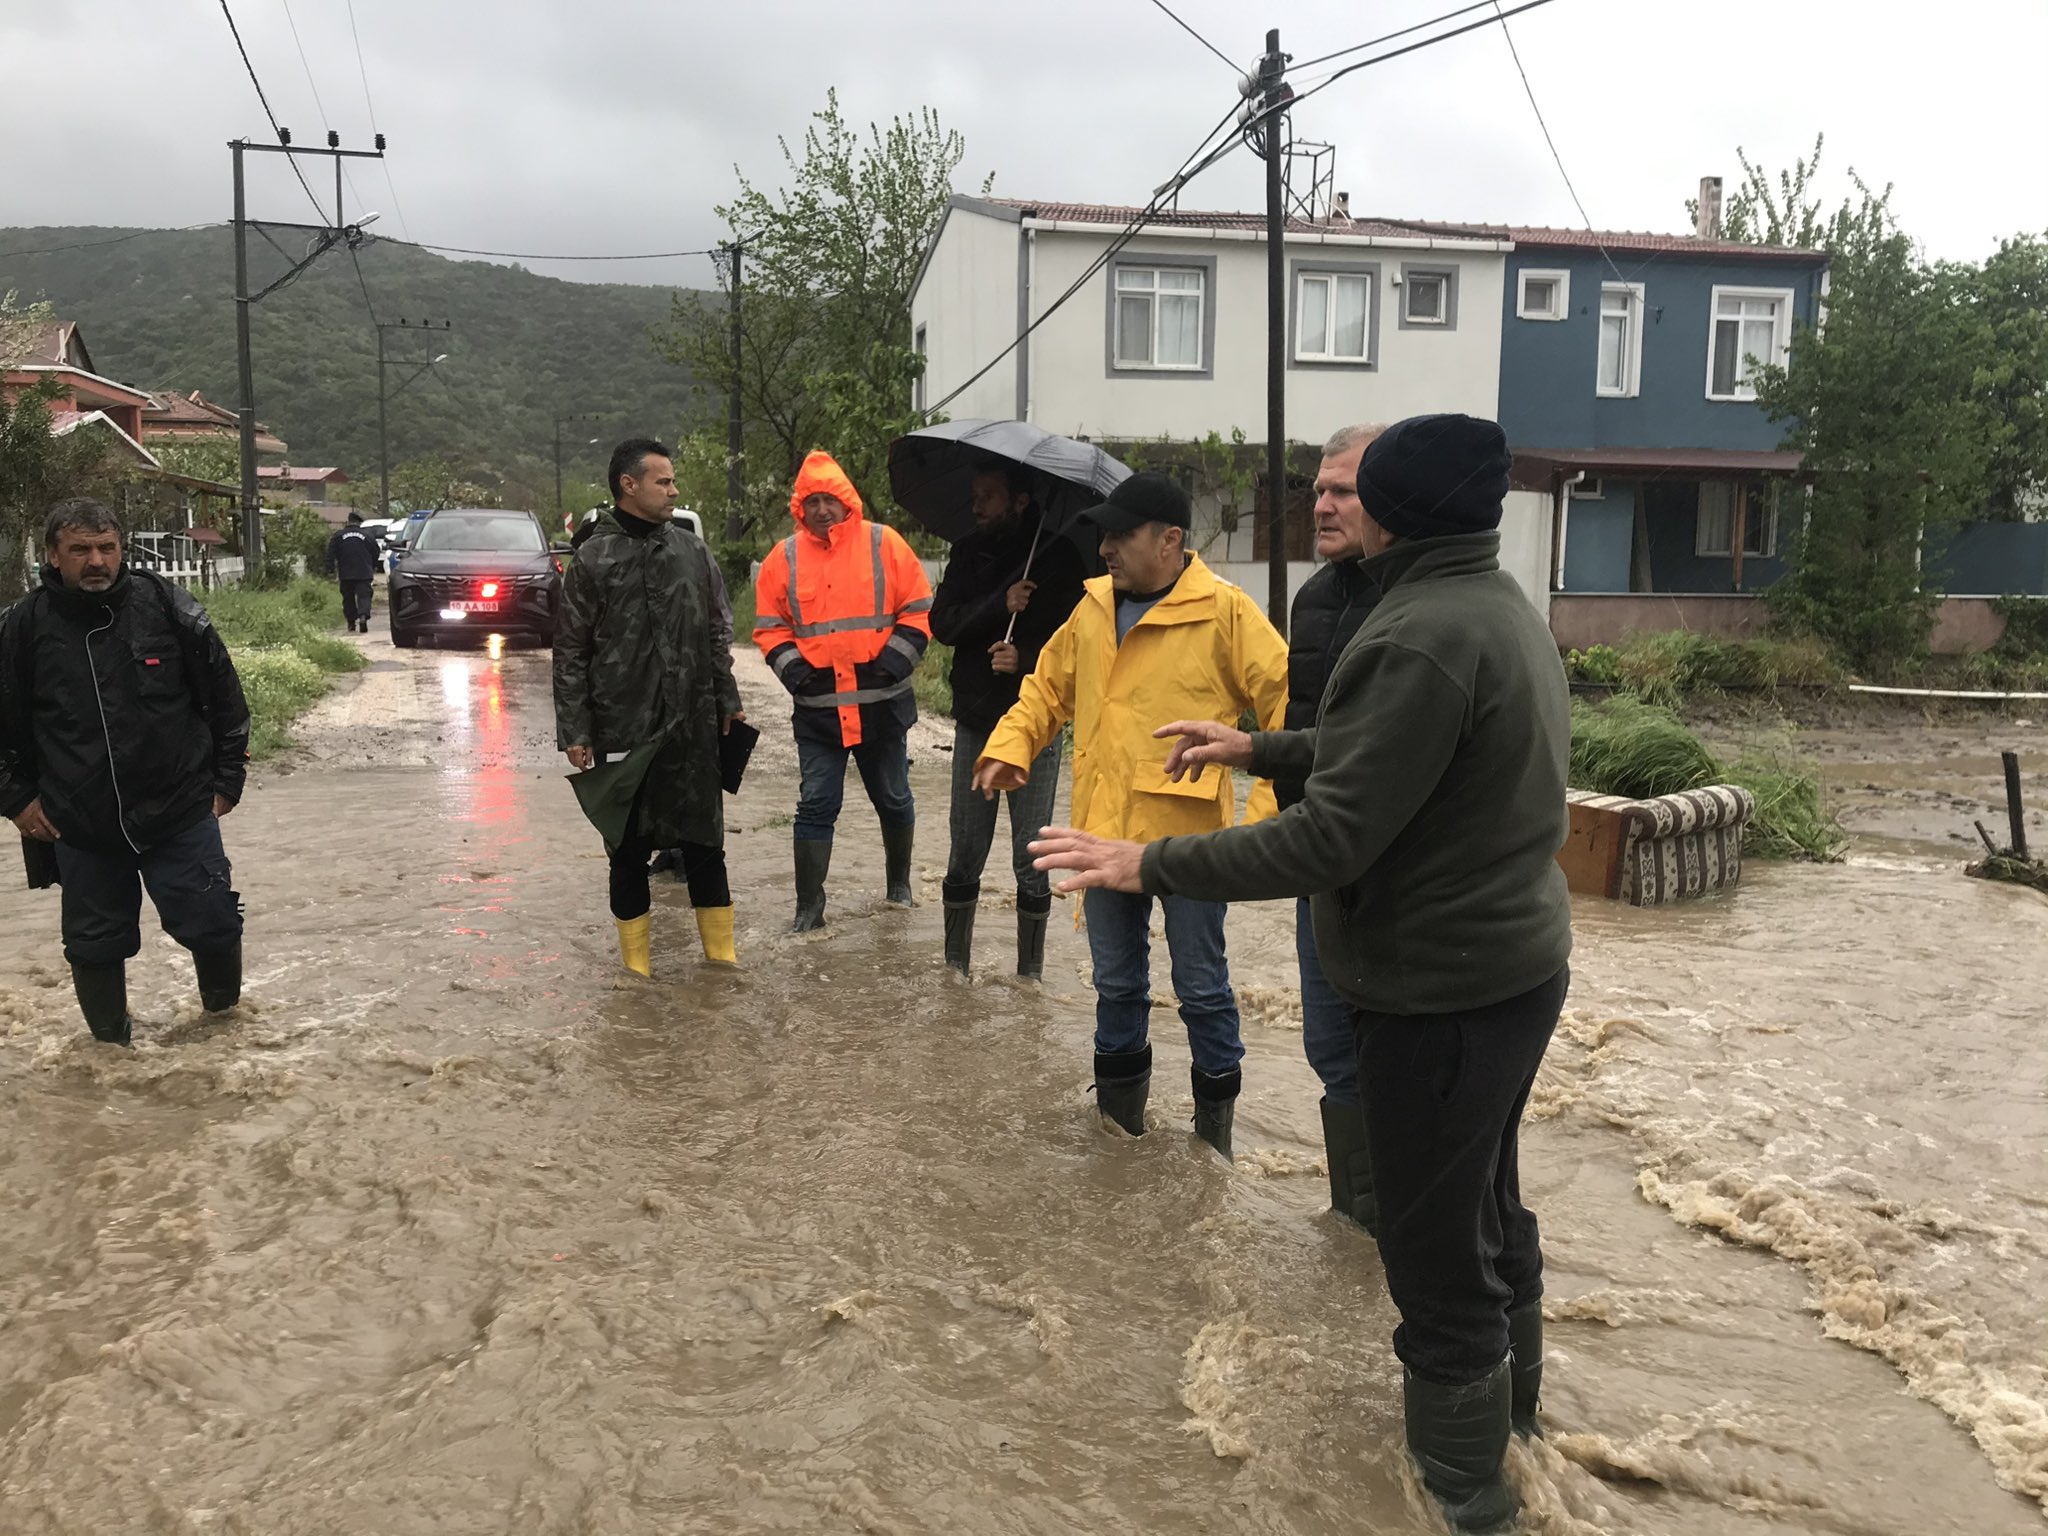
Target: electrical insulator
[333,139]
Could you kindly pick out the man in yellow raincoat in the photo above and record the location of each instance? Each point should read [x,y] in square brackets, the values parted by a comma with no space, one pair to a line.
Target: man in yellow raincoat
[1161,631]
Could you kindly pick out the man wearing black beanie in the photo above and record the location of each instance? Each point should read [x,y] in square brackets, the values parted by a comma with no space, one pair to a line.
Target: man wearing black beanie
[1427,839]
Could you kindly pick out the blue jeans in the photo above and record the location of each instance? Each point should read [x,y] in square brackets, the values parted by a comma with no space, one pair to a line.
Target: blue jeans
[884,770]
[1118,938]
[1326,1034]
[974,823]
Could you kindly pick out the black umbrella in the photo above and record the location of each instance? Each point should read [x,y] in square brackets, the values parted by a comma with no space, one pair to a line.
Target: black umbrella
[932,470]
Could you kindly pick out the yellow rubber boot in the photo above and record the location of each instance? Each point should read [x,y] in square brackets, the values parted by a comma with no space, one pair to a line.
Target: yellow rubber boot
[714,927]
[634,936]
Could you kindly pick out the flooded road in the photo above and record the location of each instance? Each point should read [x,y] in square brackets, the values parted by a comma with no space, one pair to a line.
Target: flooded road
[454,1227]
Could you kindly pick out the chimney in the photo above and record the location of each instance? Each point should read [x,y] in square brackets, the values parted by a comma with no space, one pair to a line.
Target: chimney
[1707,221]
[1340,208]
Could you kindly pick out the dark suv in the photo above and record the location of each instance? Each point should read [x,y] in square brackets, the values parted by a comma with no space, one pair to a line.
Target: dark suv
[475,571]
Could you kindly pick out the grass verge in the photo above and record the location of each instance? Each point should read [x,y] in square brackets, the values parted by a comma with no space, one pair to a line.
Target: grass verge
[1665,669]
[1626,747]
[285,649]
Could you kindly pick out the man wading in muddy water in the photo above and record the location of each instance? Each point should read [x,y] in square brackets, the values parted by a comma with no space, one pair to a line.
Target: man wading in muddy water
[126,740]
[1158,636]
[1427,840]
[660,679]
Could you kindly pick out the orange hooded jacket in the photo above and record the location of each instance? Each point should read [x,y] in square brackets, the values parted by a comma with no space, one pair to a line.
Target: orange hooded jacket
[843,620]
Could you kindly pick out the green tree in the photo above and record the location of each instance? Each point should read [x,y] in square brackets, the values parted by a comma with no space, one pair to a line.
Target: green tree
[829,260]
[36,469]
[430,484]
[2012,297]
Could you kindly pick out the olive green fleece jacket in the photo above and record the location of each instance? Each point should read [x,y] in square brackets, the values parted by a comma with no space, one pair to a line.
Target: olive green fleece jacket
[1435,801]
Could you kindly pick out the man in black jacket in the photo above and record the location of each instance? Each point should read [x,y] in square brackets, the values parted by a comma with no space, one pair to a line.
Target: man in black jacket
[1328,611]
[353,554]
[997,605]
[125,741]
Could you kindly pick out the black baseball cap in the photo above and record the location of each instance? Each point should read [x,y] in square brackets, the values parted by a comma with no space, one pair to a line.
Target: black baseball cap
[1147,497]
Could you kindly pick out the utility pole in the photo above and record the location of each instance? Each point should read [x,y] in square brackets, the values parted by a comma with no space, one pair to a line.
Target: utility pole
[735,479]
[560,422]
[325,238]
[383,436]
[1275,94]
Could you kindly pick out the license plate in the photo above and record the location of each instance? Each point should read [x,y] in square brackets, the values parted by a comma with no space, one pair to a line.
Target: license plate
[472,607]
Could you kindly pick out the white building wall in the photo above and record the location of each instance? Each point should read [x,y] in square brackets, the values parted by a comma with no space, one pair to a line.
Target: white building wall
[967,303]
[1419,370]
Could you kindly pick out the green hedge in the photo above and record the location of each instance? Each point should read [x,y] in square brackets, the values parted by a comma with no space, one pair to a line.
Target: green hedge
[285,647]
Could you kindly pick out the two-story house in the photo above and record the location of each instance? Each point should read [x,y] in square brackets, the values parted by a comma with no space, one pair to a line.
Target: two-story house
[1168,339]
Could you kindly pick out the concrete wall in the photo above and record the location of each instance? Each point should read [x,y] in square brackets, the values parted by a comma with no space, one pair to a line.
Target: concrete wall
[1548,397]
[1074,391]
[1964,626]
[967,304]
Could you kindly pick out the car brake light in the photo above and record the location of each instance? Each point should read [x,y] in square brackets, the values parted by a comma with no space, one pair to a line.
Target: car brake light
[488,589]
[558,566]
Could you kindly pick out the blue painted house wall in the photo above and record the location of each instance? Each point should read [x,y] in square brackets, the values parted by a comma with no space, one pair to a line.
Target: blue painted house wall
[1547,391]
[1993,560]
[1549,399]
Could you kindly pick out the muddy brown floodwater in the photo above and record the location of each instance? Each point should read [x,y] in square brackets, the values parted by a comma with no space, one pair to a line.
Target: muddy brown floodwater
[452,1227]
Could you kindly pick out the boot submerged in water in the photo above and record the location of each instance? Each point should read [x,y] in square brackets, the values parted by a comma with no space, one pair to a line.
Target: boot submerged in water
[1122,1081]
[1525,1348]
[813,862]
[220,976]
[896,846]
[103,999]
[1216,1106]
[960,902]
[714,931]
[1458,1435]
[1351,1187]
[1031,939]
[636,937]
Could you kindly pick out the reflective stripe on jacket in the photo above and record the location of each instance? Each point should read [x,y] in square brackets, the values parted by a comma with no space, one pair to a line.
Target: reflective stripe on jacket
[843,620]
[1203,652]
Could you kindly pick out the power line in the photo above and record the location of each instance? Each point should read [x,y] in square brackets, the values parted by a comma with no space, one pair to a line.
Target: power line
[93,245]
[396,206]
[1499,18]
[1529,90]
[290,160]
[1235,68]
[1479,5]
[318,105]
[463,250]
[362,283]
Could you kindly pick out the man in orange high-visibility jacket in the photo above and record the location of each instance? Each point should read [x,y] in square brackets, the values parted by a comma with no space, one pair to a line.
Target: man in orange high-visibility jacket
[843,615]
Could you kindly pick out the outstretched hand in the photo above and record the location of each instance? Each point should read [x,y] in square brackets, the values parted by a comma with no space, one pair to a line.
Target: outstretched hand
[1096,861]
[1201,742]
[992,777]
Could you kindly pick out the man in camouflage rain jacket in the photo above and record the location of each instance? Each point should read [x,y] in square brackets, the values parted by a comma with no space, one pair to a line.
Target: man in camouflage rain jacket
[640,663]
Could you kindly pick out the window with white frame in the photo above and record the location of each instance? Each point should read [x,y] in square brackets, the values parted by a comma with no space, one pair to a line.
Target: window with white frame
[1333,311]
[1751,326]
[1159,317]
[1621,339]
[1426,298]
[1543,294]
[1714,532]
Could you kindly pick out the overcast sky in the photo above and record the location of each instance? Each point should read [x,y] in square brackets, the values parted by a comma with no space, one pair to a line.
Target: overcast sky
[614,125]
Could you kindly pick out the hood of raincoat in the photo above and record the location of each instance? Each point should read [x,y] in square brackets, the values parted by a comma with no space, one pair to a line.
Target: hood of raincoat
[821,473]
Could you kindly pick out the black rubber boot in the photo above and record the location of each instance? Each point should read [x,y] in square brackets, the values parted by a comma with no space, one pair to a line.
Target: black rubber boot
[1216,1106]
[896,844]
[1031,939]
[220,976]
[1525,1348]
[1351,1188]
[1122,1081]
[1459,1437]
[813,862]
[103,999]
[959,934]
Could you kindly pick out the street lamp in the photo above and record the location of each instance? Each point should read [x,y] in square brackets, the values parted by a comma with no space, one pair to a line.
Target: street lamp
[384,399]
[560,422]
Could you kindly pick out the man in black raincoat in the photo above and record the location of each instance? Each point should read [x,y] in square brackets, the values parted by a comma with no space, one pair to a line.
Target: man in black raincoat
[123,741]
[638,665]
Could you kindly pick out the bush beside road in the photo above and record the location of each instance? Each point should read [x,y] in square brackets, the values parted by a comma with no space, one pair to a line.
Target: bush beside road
[287,646]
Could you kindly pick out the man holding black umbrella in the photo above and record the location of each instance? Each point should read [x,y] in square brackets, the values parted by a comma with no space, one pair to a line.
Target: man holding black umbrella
[1007,587]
